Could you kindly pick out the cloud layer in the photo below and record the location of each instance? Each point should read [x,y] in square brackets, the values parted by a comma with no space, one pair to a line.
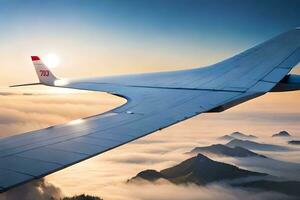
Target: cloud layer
[105,175]
[37,189]
[20,113]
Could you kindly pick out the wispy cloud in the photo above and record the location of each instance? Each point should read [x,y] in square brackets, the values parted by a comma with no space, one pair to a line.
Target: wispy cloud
[37,189]
[21,112]
[165,191]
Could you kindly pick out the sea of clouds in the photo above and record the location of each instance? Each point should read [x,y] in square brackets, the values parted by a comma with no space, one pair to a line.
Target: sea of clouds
[106,174]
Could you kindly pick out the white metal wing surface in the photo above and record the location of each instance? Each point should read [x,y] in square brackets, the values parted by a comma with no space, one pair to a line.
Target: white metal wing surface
[154,101]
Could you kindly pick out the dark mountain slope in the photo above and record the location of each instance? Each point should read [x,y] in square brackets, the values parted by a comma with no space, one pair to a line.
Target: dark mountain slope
[199,170]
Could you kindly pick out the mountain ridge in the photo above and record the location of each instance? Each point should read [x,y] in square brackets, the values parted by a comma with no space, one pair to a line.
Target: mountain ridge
[256,145]
[237,135]
[223,150]
[199,170]
[281,134]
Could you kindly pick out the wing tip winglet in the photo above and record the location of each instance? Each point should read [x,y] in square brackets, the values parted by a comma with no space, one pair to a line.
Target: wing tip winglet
[44,74]
[34,58]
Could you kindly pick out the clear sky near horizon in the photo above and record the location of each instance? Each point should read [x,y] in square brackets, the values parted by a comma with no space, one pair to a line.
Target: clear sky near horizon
[115,37]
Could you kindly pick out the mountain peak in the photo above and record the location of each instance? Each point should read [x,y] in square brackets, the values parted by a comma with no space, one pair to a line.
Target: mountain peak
[223,150]
[149,174]
[242,135]
[201,157]
[282,134]
[237,135]
[199,170]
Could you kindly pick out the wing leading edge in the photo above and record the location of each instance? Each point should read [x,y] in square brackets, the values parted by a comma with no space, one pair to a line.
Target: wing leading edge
[169,98]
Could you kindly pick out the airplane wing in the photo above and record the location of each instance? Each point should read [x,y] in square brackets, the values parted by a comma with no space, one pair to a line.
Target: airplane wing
[154,101]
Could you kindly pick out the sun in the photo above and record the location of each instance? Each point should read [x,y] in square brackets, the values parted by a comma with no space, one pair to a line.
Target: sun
[51,60]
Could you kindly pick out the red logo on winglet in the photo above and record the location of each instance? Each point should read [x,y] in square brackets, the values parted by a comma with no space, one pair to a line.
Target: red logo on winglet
[33,58]
[44,72]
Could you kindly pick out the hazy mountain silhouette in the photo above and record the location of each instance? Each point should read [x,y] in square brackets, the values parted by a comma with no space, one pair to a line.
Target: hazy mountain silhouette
[271,166]
[255,145]
[237,135]
[82,197]
[285,187]
[240,135]
[281,134]
[226,137]
[150,175]
[295,142]
[223,150]
[199,170]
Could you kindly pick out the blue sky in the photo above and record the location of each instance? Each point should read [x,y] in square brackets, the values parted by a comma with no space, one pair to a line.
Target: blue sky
[120,36]
[162,18]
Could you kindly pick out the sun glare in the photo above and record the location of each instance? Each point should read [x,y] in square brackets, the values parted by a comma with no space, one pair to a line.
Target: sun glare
[51,60]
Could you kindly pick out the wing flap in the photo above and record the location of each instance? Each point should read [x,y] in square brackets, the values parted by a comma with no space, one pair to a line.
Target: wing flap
[10,178]
[28,166]
[52,155]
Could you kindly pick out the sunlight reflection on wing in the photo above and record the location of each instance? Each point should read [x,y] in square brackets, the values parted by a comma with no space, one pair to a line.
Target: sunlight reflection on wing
[76,121]
[61,82]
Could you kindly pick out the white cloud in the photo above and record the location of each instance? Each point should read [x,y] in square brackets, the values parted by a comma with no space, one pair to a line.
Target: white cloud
[105,175]
[37,189]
